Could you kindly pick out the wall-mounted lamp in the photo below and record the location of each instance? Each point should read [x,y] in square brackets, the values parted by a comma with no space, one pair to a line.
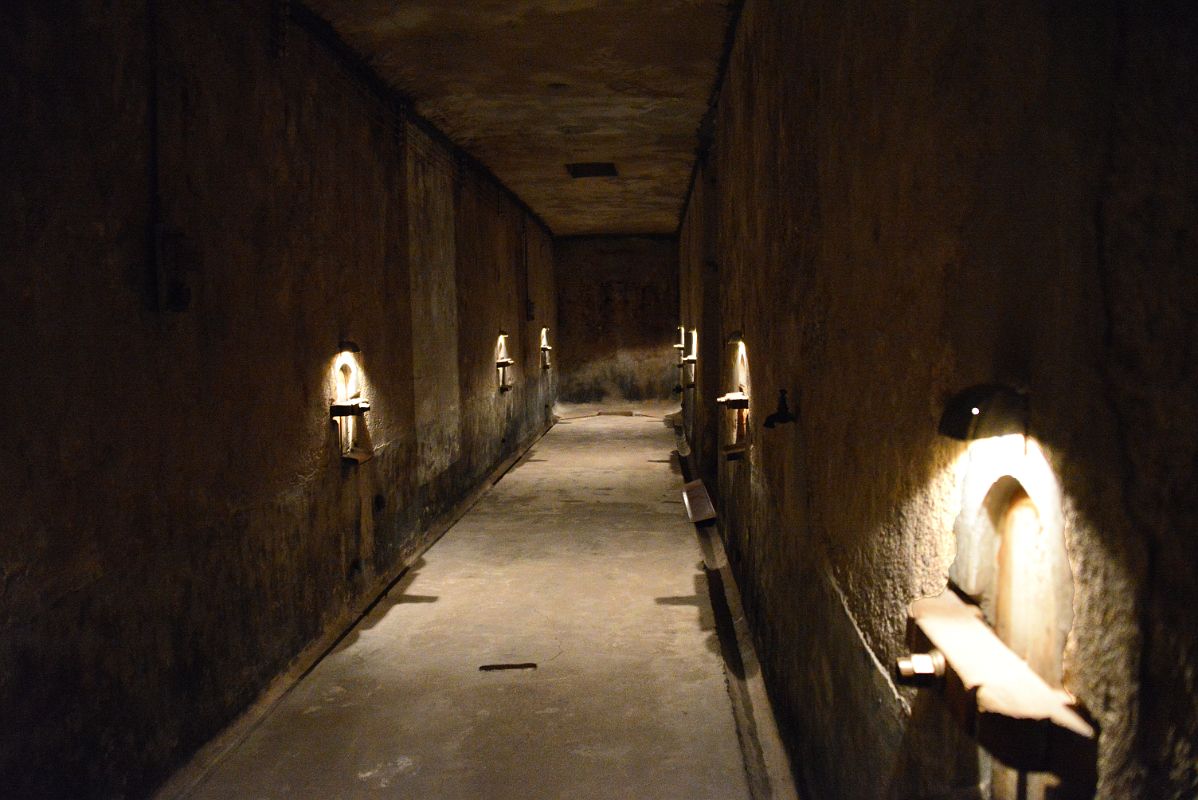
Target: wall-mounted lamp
[680,346]
[545,348]
[349,408]
[693,356]
[992,643]
[503,362]
[984,410]
[738,400]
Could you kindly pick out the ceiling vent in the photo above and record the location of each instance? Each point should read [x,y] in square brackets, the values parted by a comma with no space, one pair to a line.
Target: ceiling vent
[592,169]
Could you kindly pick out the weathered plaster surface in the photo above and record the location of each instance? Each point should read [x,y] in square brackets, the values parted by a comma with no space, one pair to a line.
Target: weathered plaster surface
[616,296]
[178,521]
[432,269]
[699,294]
[905,202]
[530,86]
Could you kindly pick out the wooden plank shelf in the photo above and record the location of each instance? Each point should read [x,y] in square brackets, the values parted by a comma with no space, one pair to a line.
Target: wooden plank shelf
[697,501]
[734,400]
[357,455]
[1013,713]
[349,408]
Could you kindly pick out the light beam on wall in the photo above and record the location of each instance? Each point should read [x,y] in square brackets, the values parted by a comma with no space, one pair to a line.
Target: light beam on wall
[546,348]
[349,407]
[504,362]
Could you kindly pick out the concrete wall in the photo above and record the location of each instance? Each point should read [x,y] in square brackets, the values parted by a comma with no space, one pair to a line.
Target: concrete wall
[616,296]
[904,200]
[699,295]
[178,521]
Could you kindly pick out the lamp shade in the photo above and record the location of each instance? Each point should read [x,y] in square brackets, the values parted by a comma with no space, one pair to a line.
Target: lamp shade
[985,410]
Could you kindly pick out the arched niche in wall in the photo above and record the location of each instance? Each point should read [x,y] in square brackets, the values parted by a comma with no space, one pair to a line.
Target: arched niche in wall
[1012,562]
[504,363]
[737,399]
[546,349]
[680,346]
[688,357]
[349,407]
[994,642]
[690,360]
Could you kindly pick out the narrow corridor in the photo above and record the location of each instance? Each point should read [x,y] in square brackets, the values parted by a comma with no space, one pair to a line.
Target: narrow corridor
[580,561]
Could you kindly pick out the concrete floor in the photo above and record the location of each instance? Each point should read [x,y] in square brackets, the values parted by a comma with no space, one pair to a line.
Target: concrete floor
[579,560]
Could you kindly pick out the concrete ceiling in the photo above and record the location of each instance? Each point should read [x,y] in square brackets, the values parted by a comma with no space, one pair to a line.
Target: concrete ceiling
[527,86]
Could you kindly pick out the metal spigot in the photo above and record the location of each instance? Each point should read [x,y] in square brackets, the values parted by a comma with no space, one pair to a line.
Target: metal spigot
[783,415]
[920,669]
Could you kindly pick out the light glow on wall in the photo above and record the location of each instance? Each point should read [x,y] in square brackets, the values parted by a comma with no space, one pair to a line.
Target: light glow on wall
[741,368]
[348,383]
[738,400]
[987,460]
[545,349]
[1011,553]
[503,362]
[347,376]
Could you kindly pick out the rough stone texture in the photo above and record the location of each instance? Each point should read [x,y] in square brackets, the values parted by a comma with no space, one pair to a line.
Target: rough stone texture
[530,86]
[699,294]
[179,523]
[616,296]
[904,200]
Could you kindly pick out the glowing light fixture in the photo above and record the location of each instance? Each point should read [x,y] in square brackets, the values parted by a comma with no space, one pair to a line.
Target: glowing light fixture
[504,362]
[998,633]
[545,348]
[348,404]
[693,356]
[738,400]
[985,410]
